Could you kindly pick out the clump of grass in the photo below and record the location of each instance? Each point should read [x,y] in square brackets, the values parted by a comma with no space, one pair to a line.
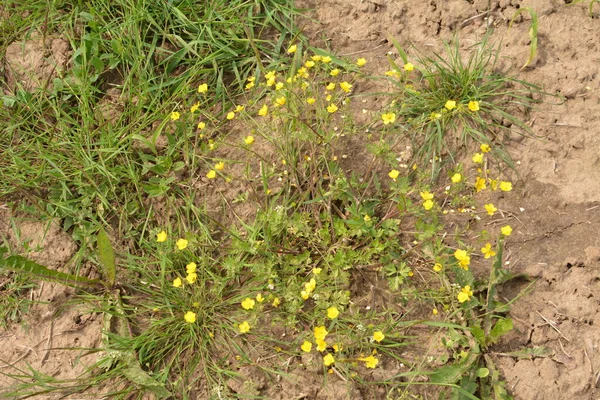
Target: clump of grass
[448,101]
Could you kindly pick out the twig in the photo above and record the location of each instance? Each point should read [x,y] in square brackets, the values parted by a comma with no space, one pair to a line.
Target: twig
[553,325]
[49,343]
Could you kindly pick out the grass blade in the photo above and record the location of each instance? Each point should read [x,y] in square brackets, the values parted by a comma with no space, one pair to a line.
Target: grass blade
[106,257]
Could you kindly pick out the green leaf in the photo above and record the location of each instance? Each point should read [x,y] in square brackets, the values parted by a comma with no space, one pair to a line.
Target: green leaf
[483,372]
[502,327]
[106,257]
[22,264]
[452,373]
[528,353]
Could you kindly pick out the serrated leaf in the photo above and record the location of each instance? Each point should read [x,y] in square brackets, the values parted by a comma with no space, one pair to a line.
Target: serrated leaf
[106,257]
[22,264]
[502,327]
[452,373]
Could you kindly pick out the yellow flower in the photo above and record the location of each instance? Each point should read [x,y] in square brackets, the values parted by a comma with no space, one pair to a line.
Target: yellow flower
[435,116]
[465,294]
[177,282]
[249,140]
[310,285]
[175,116]
[191,277]
[426,195]
[450,105]
[428,204]
[337,347]
[346,87]
[505,186]
[320,333]
[328,98]
[280,101]
[304,294]
[326,59]
[463,259]
[201,125]
[191,268]
[361,62]
[506,230]
[490,208]
[250,84]
[321,345]
[334,72]
[328,360]
[366,218]
[317,271]
[437,267]
[332,108]
[306,346]
[378,336]
[271,81]
[239,108]
[394,174]
[473,106]
[230,115]
[244,327]
[276,302]
[485,148]
[311,100]
[181,244]
[292,49]
[202,88]
[161,236]
[212,174]
[434,311]
[263,110]
[478,158]
[408,67]
[487,251]
[388,118]
[195,107]
[332,313]
[309,64]
[247,303]
[456,178]
[279,86]
[316,58]
[479,184]
[370,362]
[269,75]
[220,166]
[393,73]
[190,317]
[330,86]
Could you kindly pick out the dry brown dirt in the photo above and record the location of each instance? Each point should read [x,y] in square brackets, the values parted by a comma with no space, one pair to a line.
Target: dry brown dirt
[554,209]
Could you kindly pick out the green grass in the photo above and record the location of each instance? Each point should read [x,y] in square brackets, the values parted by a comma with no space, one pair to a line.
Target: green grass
[290,238]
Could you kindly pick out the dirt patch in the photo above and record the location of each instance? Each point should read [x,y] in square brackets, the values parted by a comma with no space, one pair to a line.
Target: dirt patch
[33,63]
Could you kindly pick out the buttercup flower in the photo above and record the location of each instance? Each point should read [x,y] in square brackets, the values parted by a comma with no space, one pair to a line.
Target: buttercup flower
[202,88]
[212,174]
[465,294]
[175,116]
[177,282]
[181,244]
[487,251]
[478,158]
[370,362]
[276,302]
[330,86]
[191,277]
[346,87]
[201,125]
[490,208]
[437,267]
[361,62]
[306,346]
[320,333]
[292,49]
[249,140]
[426,195]
[244,327]
[506,230]
[247,303]
[316,58]
[332,313]
[479,184]
[456,178]
[279,86]
[334,72]
[409,67]
[195,107]
[239,108]
[394,174]
[161,236]
[311,100]
[321,345]
[473,106]
[191,268]
[190,317]
[378,336]
[230,115]
[260,298]
[388,118]
[328,360]
[332,108]
[309,64]
[220,166]
[485,148]
[463,259]
[280,101]
[326,59]
[428,204]
[450,105]
[505,186]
